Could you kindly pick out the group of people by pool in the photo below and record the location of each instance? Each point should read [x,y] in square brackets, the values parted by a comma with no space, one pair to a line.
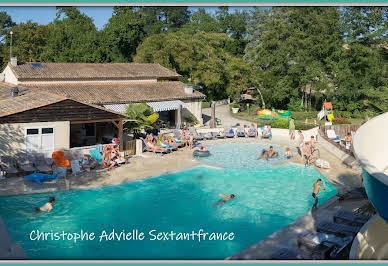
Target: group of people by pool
[111,155]
[165,143]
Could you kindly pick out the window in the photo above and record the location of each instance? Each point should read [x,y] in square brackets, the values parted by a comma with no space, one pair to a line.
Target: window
[41,140]
[33,131]
[90,130]
[47,130]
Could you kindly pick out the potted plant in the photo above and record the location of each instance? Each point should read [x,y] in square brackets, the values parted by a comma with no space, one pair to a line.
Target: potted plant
[235,108]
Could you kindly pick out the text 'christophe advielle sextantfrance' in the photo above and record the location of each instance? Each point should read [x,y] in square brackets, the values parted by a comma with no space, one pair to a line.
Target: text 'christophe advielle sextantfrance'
[131,235]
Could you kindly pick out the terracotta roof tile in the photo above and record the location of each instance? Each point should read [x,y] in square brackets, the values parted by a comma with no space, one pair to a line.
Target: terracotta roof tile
[87,71]
[116,93]
[27,99]
[31,98]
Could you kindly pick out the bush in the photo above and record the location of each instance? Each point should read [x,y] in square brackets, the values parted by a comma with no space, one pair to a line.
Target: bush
[303,115]
[279,124]
[191,119]
[345,114]
[233,105]
[340,120]
[285,124]
[206,104]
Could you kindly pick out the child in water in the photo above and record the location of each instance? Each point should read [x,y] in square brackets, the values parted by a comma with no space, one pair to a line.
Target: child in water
[288,153]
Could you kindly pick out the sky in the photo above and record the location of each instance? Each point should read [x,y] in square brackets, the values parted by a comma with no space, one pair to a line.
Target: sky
[100,14]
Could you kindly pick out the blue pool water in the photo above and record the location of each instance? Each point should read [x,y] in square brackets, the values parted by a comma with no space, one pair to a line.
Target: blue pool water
[241,156]
[266,200]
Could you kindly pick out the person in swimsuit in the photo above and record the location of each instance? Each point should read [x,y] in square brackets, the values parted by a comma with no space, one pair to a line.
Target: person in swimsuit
[47,207]
[107,159]
[348,141]
[191,141]
[301,144]
[288,153]
[317,188]
[292,129]
[183,137]
[270,153]
[224,199]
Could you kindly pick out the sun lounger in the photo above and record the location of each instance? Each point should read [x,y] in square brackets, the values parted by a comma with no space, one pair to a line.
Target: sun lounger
[266,132]
[25,163]
[149,149]
[197,136]
[337,229]
[322,245]
[177,133]
[241,132]
[367,209]
[286,254]
[229,132]
[8,165]
[252,132]
[96,155]
[331,135]
[77,154]
[220,135]
[42,164]
[350,218]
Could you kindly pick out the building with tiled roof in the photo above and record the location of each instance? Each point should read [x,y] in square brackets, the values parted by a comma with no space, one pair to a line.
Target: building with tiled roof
[42,92]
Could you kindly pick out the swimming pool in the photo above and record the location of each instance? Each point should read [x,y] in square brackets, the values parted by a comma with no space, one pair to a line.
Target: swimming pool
[266,200]
[242,155]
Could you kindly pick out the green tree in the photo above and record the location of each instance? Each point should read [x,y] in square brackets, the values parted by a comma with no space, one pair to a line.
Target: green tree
[201,58]
[367,25]
[74,38]
[201,21]
[29,41]
[289,48]
[5,24]
[145,117]
[360,79]
[122,35]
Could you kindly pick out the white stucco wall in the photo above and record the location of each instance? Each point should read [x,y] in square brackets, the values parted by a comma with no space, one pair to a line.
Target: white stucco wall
[9,76]
[12,136]
[193,107]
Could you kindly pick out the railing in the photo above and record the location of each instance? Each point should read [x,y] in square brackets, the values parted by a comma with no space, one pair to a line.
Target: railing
[341,130]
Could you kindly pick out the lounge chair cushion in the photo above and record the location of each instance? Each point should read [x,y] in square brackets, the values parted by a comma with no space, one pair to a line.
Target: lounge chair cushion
[60,160]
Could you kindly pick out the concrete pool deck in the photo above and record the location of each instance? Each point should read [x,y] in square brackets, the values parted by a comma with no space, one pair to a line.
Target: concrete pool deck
[151,165]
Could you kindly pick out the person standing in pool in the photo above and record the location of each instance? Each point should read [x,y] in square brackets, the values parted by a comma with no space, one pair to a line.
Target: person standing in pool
[317,188]
[224,199]
[47,207]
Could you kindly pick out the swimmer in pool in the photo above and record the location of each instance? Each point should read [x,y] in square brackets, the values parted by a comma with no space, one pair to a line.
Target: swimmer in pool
[224,199]
[268,153]
[317,188]
[47,207]
[288,153]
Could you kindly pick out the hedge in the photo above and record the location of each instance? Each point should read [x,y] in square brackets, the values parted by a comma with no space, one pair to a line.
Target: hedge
[206,104]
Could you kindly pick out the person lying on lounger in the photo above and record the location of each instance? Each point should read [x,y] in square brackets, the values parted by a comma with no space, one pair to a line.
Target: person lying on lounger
[47,207]
[270,153]
[154,146]
[224,199]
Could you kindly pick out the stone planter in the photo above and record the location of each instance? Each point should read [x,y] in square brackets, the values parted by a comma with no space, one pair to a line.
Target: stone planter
[235,110]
